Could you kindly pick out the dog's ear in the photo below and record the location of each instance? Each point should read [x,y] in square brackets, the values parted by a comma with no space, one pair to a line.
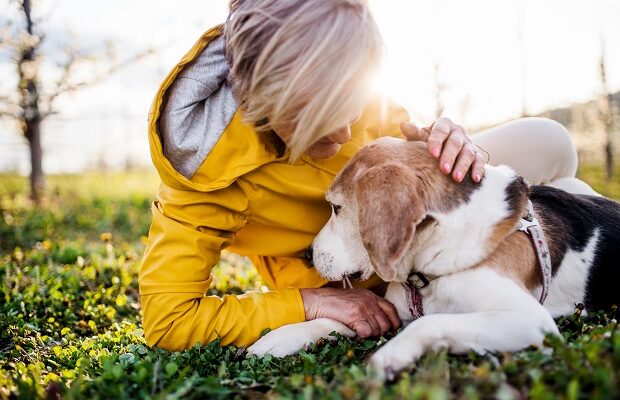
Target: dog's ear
[389,208]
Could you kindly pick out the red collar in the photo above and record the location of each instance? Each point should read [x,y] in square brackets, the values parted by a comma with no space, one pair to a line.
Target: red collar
[412,286]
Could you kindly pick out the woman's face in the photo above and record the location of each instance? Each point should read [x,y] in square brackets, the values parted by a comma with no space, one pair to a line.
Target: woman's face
[330,144]
[326,147]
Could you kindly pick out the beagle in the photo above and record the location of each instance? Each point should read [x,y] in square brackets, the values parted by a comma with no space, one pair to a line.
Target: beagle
[463,271]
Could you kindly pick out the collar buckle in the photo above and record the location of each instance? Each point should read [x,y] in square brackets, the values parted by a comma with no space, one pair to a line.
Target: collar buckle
[418,280]
[529,220]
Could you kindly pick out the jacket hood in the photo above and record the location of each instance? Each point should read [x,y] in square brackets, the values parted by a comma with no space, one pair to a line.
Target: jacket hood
[199,141]
[195,115]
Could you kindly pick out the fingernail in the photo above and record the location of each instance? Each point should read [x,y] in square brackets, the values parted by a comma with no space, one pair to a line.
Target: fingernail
[477,177]
[446,167]
[459,176]
[435,152]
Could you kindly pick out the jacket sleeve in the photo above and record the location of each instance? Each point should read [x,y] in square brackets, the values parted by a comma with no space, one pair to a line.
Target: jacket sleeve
[188,232]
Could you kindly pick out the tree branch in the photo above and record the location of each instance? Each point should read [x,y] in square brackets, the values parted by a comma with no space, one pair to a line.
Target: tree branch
[26,9]
[64,84]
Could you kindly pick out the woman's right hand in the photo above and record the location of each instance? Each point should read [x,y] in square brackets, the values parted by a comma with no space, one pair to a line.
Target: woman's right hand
[359,309]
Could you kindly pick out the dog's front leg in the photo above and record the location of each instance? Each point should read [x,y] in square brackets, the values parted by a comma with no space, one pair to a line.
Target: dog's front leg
[490,314]
[290,339]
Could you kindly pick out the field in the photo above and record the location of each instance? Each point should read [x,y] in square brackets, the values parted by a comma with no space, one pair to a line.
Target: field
[70,320]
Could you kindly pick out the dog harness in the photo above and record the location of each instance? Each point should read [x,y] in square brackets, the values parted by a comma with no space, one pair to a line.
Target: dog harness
[530,226]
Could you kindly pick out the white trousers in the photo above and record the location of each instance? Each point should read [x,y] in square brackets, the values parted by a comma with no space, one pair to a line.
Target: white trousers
[539,149]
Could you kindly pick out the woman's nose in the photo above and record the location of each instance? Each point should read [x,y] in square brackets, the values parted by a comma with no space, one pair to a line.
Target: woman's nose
[342,135]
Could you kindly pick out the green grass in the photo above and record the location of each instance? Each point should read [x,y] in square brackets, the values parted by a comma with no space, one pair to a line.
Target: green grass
[596,177]
[70,320]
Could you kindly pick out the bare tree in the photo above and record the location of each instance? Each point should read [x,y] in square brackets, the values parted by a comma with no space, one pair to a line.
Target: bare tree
[28,91]
[33,102]
[606,111]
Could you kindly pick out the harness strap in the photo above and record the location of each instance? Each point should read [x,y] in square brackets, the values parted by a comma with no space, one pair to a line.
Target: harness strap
[531,227]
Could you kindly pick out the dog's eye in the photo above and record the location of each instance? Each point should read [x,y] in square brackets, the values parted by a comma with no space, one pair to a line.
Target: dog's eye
[336,208]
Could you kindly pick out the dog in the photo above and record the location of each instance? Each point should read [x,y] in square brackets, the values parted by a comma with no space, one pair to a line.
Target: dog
[469,264]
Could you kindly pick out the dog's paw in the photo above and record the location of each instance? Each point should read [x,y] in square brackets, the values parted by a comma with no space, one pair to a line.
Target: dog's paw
[392,358]
[291,339]
[281,342]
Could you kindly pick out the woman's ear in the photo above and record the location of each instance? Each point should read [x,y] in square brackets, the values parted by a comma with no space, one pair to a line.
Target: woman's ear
[388,211]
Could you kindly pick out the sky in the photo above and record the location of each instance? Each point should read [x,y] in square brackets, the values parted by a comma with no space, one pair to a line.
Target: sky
[489,55]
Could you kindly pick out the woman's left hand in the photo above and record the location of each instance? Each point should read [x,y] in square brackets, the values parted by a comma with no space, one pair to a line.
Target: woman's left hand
[449,143]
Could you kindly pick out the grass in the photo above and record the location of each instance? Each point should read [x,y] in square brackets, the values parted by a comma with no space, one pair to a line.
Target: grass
[70,320]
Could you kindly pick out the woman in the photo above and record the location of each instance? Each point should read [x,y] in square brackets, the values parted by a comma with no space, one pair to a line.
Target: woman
[248,131]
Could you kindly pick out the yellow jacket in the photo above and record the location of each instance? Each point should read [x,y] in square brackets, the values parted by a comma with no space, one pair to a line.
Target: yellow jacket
[246,198]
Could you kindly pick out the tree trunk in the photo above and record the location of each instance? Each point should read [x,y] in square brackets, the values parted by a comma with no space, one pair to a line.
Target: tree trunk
[608,128]
[37,178]
[30,117]
[609,157]
[606,113]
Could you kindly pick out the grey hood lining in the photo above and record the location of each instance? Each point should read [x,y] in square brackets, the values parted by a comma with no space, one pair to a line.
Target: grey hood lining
[197,108]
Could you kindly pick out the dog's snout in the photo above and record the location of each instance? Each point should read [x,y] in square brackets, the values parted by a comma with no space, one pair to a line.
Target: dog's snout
[309,253]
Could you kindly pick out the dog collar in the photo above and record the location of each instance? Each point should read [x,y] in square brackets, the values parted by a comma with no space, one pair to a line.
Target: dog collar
[412,286]
[531,227]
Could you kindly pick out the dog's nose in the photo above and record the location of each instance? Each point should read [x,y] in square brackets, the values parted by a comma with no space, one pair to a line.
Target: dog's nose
[308,254]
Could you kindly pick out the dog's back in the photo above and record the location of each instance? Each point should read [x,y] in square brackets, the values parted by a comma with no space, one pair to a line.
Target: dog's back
[574,222]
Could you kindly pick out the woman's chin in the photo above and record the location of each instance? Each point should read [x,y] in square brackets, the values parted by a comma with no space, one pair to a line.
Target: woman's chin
[320,151]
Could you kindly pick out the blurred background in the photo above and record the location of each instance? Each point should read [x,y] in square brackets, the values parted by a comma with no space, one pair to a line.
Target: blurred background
[480,63]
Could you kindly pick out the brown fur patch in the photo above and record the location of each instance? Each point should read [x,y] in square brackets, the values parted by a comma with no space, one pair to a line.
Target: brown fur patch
[514,258]
[500,232]
[437,190]
[516,199]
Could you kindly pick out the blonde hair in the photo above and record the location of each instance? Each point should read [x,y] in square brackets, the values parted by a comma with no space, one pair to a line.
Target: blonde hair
[303,64]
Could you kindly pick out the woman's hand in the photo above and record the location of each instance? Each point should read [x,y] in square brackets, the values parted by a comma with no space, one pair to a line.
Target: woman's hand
[359,309]
[450,144]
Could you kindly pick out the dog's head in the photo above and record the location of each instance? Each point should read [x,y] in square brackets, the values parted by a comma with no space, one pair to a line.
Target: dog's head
[392,209]
[377,203]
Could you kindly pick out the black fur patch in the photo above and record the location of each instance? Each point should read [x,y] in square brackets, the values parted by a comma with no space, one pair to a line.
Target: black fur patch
[570,221]
[516,194]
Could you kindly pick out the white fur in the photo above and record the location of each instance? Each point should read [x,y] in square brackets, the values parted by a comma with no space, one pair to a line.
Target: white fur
[459,239]
[290,339]
[568,286]
[338,248]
